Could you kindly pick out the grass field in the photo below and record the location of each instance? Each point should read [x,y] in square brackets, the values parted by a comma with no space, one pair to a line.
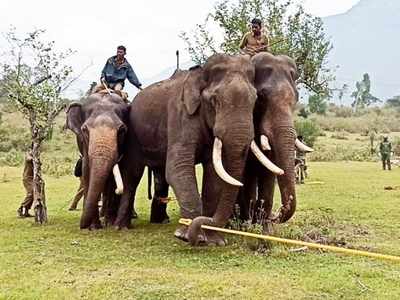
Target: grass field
[59,261]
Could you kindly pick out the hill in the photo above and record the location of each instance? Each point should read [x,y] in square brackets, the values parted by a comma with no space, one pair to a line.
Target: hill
[365,40]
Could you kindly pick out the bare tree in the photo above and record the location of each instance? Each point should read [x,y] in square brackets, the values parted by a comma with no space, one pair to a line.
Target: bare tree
[34,76]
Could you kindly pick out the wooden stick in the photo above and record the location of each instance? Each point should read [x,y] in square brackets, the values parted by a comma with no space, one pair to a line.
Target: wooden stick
[297,243]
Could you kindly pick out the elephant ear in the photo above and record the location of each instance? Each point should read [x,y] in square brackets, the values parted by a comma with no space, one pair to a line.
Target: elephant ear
[74,118]
[192,87]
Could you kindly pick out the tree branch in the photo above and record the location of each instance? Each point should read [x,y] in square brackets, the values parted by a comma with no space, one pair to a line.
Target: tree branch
[41,80]
[75,78]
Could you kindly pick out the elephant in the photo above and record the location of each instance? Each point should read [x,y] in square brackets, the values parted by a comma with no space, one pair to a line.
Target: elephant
[99,123]
[277,95]
[200,116]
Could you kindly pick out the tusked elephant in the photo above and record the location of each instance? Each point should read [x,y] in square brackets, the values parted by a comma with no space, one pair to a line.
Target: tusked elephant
[99,123]
[277,96]
[204,115]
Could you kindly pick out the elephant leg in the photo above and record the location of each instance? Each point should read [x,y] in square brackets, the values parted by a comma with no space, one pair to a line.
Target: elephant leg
[125,210]
[180,172]
[110,203]
[210,192]
[211,189]
[159,203]
[248,193]
[265,201]
[96,224]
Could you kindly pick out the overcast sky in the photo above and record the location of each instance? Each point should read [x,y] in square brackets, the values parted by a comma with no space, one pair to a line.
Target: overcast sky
[149,29]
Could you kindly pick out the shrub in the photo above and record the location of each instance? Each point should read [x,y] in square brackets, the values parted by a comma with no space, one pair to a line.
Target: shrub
[342,135]
[12,158]
[341,153]
[308,129]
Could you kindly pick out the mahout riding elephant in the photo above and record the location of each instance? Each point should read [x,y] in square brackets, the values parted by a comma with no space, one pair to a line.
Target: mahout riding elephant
[99,123]
[203,115]
[277,95]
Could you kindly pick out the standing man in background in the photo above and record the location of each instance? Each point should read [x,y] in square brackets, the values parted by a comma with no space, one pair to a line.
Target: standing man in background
[385,149]
[81,189]
[27,181]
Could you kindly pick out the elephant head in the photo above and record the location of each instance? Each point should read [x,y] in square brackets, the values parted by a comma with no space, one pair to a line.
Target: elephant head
[99,124]
[222,95]
[275,78]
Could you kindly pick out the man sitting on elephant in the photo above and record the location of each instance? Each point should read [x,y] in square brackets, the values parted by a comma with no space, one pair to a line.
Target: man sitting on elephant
[254,41]
[115,71]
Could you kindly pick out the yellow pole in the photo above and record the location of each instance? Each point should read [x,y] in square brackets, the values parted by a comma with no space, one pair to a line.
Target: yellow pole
[297,243]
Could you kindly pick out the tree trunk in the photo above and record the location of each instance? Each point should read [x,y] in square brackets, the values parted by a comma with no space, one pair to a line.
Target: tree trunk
[39,197]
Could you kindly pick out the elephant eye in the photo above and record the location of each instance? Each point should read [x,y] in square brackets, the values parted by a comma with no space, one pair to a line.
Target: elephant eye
[85,133]
[294,75]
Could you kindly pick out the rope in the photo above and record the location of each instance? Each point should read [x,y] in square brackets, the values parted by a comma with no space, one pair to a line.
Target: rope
[297,243]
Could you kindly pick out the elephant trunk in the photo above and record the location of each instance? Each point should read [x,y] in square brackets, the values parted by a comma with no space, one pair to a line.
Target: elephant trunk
[102,158]
[234,154]
[284,145]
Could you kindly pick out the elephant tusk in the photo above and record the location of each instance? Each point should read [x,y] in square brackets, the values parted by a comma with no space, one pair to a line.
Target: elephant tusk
[219,168]
[302,147]
[118,180]
[264,160]
[265,143]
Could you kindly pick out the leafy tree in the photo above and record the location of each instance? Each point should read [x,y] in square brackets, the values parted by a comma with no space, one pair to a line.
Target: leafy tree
[34,76]
[362,95]
[317,104]
[291,31]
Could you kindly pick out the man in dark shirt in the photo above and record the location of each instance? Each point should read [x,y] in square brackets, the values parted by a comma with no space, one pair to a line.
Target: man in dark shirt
[115,71]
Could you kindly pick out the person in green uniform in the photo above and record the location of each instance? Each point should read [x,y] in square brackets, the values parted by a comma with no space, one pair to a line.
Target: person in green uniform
[300,163]
[385,149]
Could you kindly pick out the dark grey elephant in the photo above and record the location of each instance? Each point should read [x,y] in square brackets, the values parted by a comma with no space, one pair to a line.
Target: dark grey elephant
[99,123]
[204,115]
[277,96]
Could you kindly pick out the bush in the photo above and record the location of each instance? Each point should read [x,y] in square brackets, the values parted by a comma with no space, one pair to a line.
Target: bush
[342,135]
[380,120]
[341,153]
[12,158]
[308,129]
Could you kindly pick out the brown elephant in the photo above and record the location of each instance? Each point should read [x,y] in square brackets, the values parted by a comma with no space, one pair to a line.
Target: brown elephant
[99,123]
[277,95]
[204,115]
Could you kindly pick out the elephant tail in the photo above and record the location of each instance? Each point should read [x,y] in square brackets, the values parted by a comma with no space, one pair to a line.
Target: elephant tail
[149,182]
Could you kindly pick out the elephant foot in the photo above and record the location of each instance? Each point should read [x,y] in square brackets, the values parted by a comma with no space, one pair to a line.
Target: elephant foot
[158,214]
[268,227]
[160,221]
[182,233]
[121,228]
[214,238]
[122,225]
[95,226]
[72,208]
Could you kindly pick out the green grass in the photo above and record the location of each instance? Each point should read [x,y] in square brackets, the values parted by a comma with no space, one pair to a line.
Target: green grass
[59,261]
